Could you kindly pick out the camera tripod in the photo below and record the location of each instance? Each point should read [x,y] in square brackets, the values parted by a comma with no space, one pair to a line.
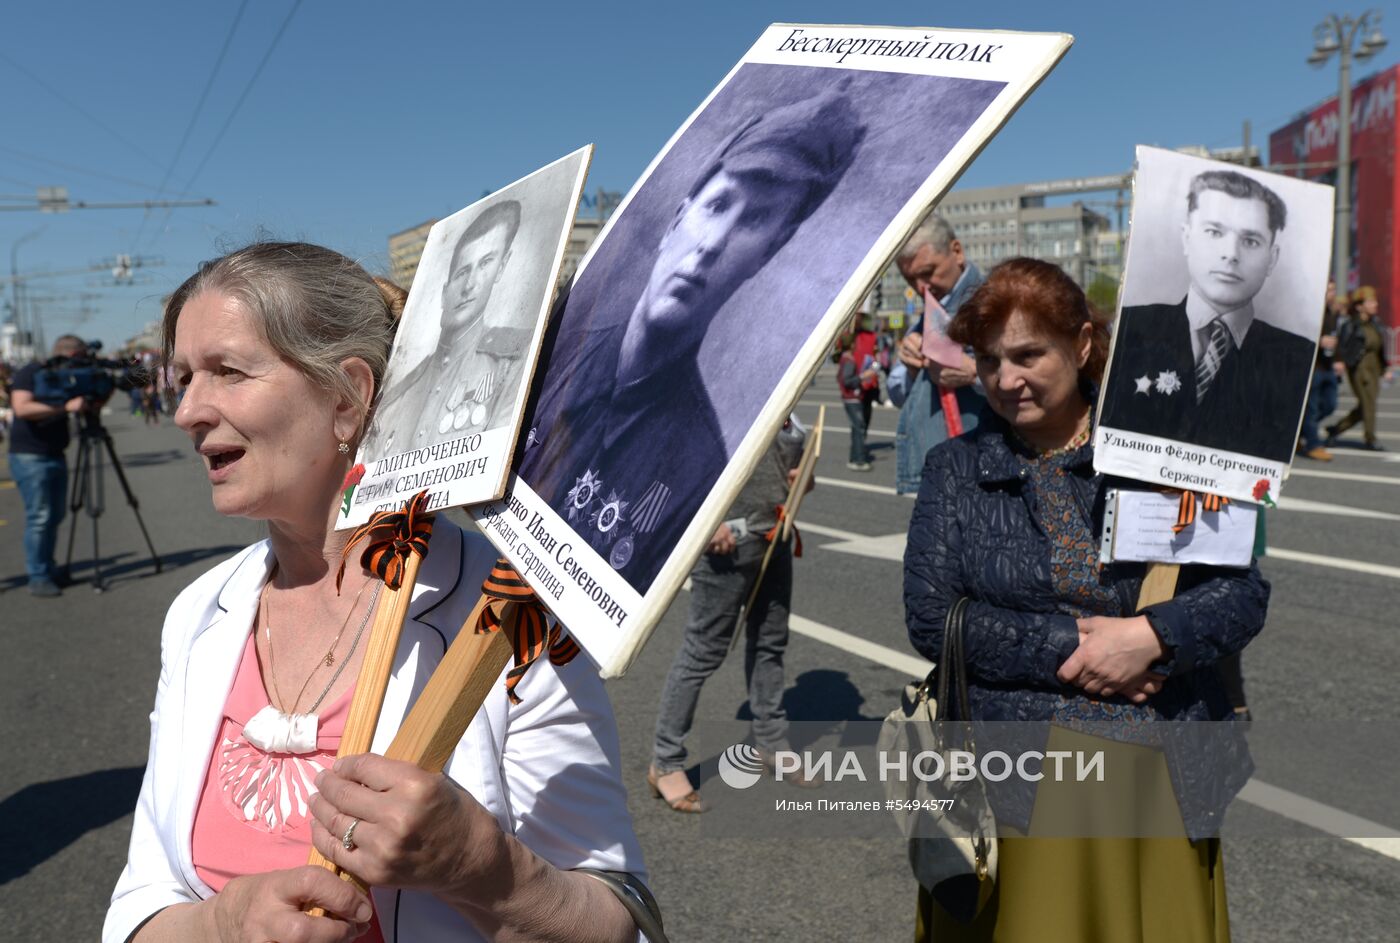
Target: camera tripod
[88,492]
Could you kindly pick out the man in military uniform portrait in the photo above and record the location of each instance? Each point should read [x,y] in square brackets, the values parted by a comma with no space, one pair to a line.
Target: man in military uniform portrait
[467,383]
[625,443]
[1207,369]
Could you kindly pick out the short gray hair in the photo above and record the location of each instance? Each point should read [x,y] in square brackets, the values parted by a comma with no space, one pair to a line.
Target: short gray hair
[933,232]
[314,306]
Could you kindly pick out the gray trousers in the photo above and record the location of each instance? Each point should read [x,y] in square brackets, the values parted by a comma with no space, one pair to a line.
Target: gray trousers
[720,585]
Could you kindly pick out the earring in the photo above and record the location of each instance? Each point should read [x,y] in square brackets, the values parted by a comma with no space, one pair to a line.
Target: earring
[343,448]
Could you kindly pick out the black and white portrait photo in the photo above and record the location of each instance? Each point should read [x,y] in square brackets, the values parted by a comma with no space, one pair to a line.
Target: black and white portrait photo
[1222,305]
[454,387]
[680,327]
[464,351]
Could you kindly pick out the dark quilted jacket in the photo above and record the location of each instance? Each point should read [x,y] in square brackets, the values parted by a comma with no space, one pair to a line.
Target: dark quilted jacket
[973,534]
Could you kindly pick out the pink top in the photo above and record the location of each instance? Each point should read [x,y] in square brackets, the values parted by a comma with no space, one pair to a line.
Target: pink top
[253,813]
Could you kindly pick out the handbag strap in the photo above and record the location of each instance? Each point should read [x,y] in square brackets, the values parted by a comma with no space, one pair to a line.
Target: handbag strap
[952,672]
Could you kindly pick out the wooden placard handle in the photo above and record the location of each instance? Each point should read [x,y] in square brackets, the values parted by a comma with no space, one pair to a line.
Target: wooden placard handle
[453,695]
[373,679]
[1158,585]
[455,692]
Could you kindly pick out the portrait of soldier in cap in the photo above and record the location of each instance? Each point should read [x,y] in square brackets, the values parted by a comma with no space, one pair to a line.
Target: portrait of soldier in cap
[467,383]
[626,443]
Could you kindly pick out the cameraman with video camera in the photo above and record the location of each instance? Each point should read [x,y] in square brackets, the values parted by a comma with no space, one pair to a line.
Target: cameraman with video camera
[38,440]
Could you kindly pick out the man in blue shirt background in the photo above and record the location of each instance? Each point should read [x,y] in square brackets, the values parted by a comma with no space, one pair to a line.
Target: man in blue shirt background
[933,263]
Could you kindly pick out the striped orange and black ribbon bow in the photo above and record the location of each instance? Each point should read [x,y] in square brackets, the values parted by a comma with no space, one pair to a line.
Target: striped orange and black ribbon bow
[778,527]
[391,536]
[503,586]
[1186,510]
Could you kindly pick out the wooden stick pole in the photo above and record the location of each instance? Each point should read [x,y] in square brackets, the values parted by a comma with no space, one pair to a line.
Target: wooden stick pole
[806,469]
[368,699]
[455,692]
[1158,585]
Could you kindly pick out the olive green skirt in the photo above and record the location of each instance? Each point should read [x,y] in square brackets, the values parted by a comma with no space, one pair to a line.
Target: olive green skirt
[1159,889]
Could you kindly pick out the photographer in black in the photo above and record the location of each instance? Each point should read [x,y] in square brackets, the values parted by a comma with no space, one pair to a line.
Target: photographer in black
[38,440]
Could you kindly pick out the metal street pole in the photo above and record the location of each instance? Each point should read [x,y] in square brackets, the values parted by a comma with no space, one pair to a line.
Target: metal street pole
[14,280]
[1341,262]
[1339,34]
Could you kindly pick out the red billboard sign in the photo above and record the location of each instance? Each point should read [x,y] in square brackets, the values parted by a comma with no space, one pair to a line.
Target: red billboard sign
[1307,147]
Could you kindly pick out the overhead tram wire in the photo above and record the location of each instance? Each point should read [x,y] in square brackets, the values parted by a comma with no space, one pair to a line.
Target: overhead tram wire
[194,118]
[76,107]
[238,105]
[39,160]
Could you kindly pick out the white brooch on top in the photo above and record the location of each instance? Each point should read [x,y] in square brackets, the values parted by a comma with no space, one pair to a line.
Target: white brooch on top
[1168,382]
[1144,384]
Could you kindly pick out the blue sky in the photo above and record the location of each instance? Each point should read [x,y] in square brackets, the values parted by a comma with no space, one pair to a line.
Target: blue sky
[371,117]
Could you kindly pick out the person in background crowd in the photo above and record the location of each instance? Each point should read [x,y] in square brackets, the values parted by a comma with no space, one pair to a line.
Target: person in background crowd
[38,440]
[1322,393]
[856,380]
[933,263]
[1008,518]
[150,403]
[1361,348]
[721,584]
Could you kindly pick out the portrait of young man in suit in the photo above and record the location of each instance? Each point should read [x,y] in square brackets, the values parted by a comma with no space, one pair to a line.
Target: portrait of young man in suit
[1208,369]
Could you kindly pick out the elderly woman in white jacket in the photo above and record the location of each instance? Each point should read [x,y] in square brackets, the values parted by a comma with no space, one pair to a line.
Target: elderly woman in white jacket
[281,348]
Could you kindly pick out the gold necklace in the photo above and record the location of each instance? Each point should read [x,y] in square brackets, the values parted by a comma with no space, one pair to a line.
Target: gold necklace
[1080,438]
[327,660]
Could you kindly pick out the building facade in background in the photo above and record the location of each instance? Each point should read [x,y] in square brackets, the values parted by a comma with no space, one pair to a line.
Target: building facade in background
[1307,147]
[405,249]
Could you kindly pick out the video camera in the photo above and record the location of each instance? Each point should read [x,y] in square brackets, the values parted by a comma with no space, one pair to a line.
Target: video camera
[86,375]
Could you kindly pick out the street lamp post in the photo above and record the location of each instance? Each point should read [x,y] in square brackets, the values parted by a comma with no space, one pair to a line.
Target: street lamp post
[1338,34]
[14,283]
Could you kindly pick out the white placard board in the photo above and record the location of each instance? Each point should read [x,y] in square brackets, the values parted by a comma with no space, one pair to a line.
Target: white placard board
[466,347]
[716,289]
[1218,321]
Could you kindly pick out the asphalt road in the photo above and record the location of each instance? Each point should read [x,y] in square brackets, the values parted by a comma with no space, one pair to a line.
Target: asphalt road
[77,676]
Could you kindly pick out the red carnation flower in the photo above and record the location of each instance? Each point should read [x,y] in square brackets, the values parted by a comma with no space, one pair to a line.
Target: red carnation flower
[353,476]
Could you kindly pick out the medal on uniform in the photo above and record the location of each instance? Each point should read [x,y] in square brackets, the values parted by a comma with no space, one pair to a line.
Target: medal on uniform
[621,553]
[609,516]
[647,514]
[582,493]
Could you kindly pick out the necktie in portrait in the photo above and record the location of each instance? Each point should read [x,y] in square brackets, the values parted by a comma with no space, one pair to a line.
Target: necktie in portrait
[1218,346]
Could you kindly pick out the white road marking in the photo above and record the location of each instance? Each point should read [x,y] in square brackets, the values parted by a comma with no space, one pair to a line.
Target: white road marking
[1336,563]
[911,665]
[888,547]
[1286,503]
[1323,817]
[1344,476]
[1290,805]
[874,489]
[881,434]
[891,547]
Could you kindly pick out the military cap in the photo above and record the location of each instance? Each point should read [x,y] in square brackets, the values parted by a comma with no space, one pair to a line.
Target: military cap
[811,142]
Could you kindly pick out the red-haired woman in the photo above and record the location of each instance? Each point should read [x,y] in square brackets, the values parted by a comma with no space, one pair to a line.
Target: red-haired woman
[1008,517]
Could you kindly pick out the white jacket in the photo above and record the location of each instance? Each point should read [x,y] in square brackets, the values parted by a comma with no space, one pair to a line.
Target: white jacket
[548,768]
